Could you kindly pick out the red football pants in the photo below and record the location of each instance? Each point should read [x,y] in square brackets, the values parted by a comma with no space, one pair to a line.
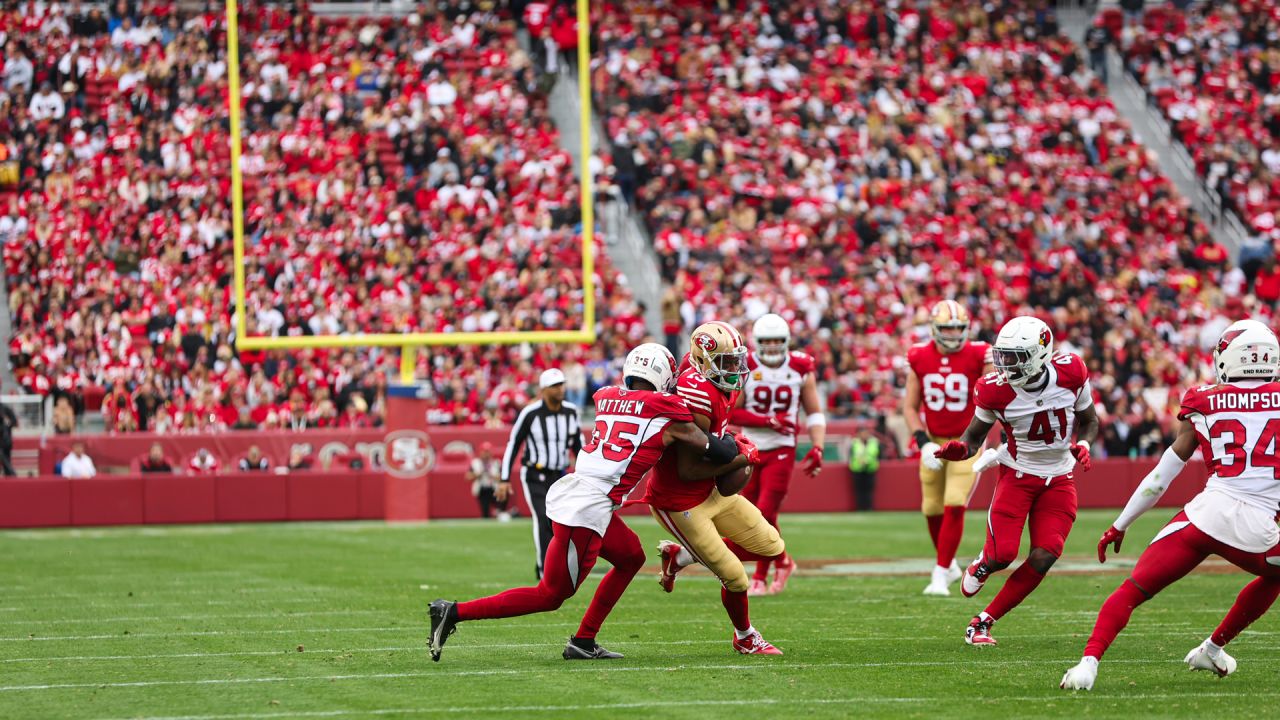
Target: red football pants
[1048,504]
[1176,551]
[768,486]
[571,554]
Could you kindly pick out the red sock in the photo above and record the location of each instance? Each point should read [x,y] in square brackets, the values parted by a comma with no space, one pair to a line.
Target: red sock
[762,570]
[735,603]
[935,527]
[1016,589]
[950,529]
[615,583]
[1252,603]
[1112,617]
[511,603]
[744,554]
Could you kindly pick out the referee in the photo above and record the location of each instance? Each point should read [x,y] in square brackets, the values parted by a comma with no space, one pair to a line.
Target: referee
[546,431]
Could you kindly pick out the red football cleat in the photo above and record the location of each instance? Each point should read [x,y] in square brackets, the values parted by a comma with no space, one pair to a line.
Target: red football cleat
[979,632]
[975,576]
[668,551]
[754,644]
[781,573]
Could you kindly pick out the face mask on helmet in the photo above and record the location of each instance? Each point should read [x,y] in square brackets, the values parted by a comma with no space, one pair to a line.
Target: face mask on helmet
[1016,365]
[772,350]
[951,336]
[728,369]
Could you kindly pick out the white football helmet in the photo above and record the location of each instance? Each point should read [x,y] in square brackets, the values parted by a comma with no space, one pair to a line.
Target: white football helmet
[1247,350]
[772,338]
[653,363]
[1022,349]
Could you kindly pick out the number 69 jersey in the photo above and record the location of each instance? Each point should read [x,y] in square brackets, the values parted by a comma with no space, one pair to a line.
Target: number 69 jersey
[775,391]
[947,382]
[1040,423]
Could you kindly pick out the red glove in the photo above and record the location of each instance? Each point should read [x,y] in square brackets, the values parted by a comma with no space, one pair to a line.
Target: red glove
[1080,451]
[812,462]
[1111,537]
[748,448]
[781,424]
[954,450]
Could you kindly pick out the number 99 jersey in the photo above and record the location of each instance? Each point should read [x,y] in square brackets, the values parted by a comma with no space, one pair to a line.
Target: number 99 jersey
[775,391]
[947,384]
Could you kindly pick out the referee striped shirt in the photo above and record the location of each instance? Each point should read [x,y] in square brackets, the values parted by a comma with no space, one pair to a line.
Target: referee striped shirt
[546,438]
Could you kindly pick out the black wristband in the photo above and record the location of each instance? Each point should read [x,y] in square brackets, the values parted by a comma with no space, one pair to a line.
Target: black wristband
[720,450]
[922,438]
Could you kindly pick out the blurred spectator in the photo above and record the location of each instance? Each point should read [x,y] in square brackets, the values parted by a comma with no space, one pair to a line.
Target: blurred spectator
[253,461]
[8,422]
[155,461]
[64,417]
[484,473]
[77,464]
[298,459]
[203,463]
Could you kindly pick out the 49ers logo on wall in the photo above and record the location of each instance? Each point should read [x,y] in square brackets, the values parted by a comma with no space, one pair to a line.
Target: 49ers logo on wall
[705,341]
[409,454]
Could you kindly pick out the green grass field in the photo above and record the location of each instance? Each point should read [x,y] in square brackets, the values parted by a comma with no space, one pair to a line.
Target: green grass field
[327,620]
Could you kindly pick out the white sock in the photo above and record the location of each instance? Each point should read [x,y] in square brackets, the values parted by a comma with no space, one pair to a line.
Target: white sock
[684,558]
[940,569]
[744,634]
[986,617]
[1089,660]
[1213,650]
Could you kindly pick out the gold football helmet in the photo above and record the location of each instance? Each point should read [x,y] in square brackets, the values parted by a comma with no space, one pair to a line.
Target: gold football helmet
[950,325]
[717,351]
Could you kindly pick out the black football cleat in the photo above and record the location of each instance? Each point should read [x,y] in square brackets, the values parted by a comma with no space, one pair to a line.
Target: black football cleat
[444,620]
[580,651]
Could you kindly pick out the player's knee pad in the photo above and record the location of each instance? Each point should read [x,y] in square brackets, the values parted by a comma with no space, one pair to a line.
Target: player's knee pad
[737,582]
[1041,560]
[631,562]
[931,507]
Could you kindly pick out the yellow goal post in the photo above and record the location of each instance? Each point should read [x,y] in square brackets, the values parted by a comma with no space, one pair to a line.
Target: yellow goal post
[409,342]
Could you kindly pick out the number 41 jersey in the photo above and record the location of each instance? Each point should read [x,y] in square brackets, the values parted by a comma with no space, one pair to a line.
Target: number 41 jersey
[947,382]
[1039,423]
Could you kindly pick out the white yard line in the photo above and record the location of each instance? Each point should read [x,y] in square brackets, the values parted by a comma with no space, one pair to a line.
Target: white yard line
[204,616]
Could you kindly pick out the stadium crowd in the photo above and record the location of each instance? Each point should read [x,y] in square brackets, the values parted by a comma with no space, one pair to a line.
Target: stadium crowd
[852,167]
[399,175]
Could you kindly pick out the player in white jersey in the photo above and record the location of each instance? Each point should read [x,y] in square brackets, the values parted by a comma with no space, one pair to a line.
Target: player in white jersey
[1039,399]
[1236,425]
[633,428]
[778,382]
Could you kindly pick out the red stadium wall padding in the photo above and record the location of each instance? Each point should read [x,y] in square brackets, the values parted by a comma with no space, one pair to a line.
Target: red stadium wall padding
[106,500]
[373,491]
[35,502]
[252,497]
[323,496]
[180,498]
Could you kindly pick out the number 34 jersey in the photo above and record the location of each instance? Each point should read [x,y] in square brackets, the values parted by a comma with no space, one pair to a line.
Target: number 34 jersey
[1039,424]
[947,382]
[625,443]
[775,391]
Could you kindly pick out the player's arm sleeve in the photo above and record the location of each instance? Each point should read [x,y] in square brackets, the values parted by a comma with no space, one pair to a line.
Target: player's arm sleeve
[516,441]
[984,415]
[747,418]
[1151,489]
[1084,396]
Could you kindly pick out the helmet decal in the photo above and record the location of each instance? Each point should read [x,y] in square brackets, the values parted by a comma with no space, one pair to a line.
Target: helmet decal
[705,341]
[1045,337]
[1227,337]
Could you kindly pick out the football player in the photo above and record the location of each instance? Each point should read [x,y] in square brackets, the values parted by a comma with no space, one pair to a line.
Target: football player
[633,426]
[943,373]
[1235,424]
[715,525]
[778,383]
[1040,400]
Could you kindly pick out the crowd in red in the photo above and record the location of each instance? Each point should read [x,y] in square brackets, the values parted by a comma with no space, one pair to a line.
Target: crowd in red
[399,176]
[849,165]
[1214,71]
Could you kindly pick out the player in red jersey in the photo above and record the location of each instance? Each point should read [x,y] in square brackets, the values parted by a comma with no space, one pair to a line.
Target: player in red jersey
[715,525]
[1038,399]
[634,426]
[1236,425]
[778,382]
[940,384]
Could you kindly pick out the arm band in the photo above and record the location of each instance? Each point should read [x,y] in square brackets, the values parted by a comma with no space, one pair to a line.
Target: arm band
[720,450]
[922,438]
[1151,488]
[815,419]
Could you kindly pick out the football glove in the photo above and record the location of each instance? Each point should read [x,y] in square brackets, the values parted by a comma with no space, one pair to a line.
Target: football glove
[929,455]
[781,424]
[812,463]
[954,450]
[1111,537]
[1080,451]
[748,448]
[988,458]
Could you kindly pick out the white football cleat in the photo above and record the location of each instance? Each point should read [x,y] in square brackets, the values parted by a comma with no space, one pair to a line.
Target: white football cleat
[1081,676]
[975,576]
[1199,659]
[938,583]
[954,572]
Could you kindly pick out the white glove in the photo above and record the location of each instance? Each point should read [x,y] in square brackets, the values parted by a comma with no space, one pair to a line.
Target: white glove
[989,458]
[928,458]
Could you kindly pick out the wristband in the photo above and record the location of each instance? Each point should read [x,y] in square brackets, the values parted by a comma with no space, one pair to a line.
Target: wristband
[815,420]
[720,450]
[922,438]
